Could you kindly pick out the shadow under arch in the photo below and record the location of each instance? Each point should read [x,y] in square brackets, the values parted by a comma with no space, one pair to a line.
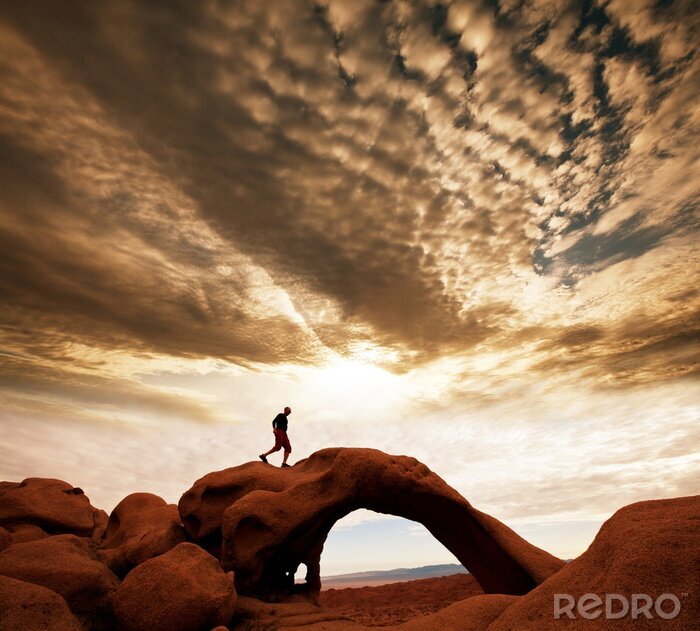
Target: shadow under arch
[276,519]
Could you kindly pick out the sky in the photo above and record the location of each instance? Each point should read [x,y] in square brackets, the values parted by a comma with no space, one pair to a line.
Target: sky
[462,231]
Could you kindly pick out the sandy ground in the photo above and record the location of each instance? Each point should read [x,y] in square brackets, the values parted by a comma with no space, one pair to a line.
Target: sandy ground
[396,603]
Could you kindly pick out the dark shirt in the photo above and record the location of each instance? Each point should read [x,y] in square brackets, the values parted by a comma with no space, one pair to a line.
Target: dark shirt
[280,422]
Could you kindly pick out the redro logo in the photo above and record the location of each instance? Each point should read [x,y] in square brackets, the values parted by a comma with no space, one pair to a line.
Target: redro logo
[615,606]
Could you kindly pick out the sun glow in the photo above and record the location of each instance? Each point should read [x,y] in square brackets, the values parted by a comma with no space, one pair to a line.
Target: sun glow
[360,384]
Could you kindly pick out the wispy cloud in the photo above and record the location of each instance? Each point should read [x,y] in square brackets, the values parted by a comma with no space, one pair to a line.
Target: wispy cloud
[409,218]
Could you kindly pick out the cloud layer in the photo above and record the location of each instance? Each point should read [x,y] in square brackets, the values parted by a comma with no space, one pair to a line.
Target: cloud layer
[468,209]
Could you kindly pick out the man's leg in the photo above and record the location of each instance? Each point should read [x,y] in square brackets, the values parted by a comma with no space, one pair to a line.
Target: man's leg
[264,456]
[277,447]
[287,449]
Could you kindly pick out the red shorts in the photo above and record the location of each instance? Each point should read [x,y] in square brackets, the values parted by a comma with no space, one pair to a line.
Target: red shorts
[281,440]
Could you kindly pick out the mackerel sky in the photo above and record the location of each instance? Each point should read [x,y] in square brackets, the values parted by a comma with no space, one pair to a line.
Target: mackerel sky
[461,231]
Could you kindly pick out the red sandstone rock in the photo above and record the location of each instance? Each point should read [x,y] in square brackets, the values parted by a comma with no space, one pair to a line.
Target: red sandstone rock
[28,607]
[21,533]
[181,590]
[202,507]
[644,548]
[65,564]
[53,505]
[5,538]
[296,612]
[100,518]
[272,520]
[140,527]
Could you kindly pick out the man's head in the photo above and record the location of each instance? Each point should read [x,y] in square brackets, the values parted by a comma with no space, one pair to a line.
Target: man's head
[287,411]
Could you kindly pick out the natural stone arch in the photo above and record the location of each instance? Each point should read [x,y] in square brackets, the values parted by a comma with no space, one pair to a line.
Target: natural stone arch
[264,521]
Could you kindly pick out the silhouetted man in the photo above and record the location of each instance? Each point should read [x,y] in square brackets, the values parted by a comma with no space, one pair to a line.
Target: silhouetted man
[279,429]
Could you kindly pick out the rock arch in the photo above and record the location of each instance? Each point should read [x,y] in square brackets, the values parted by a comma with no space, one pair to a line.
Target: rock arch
[264,521]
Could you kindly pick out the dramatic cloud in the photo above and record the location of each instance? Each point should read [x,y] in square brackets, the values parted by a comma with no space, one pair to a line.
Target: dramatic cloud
[209,206]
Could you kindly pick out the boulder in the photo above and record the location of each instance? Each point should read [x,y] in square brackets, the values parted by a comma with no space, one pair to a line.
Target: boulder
[645,548]
[21,533]
[28,607]
[181,590]
[270,520]
[65,564]
[101,519]
[140,527]
[53,505]
[202,506]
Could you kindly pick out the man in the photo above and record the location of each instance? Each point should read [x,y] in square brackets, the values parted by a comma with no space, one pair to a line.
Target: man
[279,429]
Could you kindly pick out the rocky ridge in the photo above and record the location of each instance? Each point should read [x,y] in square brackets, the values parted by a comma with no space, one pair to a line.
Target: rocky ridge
[225,557]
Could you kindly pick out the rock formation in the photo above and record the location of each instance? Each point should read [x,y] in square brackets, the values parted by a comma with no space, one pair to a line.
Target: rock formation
[53,505]
[141,526]
[21,533]
[648,548]
[28,607]
[271,520]
[264,522]
[65,564]
[181,590]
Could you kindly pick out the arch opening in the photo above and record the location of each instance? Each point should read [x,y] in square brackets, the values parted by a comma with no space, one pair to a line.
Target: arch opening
[458,531]
[367,542]
[300,574]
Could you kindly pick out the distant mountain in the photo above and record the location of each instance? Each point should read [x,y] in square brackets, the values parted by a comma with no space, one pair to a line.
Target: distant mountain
[381,577]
